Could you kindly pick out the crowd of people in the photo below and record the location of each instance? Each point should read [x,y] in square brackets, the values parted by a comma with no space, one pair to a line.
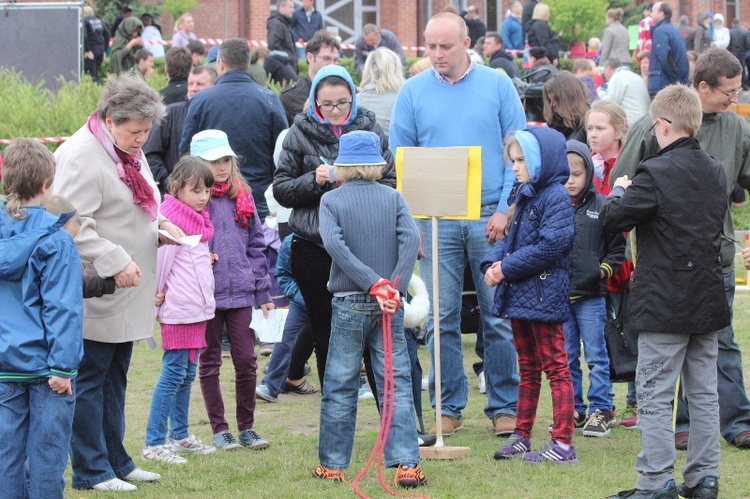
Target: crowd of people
[292,200]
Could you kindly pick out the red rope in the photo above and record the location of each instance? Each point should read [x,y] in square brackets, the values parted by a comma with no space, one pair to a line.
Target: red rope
[386,408]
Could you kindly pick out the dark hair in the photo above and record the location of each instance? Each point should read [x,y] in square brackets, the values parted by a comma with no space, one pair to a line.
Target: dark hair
[146,17]
[713,64]
[322,38]
[613,63]
[494,34]
[177,63]
[648,6]
[259,53]
[570,96]
[196,47]
[205,69]
[332,81]
[615,14]
[665,9]
[142,55]
[235,54]
[191,169]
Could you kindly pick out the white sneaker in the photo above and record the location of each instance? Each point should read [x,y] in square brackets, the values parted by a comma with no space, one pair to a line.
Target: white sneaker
[115,485]
[191,445]
[163,453]
[138,475]
[482,383]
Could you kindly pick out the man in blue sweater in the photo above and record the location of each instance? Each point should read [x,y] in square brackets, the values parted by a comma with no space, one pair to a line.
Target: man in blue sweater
[459,103]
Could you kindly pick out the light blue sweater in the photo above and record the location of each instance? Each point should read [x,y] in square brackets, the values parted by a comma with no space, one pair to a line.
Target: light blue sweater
[480,110]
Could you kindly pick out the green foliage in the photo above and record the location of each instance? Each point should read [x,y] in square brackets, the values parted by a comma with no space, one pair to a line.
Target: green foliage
[346,62]
[109,10]
[178,7]
[577,21]
[741,216]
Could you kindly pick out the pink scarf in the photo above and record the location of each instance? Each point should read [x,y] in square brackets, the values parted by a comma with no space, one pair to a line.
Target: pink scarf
[190,221]
[128,168]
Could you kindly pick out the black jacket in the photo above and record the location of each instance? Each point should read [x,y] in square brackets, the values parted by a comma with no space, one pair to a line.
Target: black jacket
[280,37]
[593,249]
[95,286]
[293,98]
[503,60]
[739,43]
[175,91]
[95,35]
[540,35]
[526,14]
[677,204]
[162,149]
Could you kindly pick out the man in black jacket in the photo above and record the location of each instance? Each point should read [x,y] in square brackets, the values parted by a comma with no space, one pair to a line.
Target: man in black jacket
[499,58]
[177,65]
[281,41]
[739,44]
[474,24]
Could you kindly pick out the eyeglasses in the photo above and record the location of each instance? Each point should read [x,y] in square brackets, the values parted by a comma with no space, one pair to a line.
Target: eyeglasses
[327,59]
[730,94]
[341,106]
[653,127]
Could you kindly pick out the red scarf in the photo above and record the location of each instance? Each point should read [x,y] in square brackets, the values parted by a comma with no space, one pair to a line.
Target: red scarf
[243,203]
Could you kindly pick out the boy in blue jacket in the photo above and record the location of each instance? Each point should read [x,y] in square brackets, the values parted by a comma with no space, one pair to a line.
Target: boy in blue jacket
[41,339]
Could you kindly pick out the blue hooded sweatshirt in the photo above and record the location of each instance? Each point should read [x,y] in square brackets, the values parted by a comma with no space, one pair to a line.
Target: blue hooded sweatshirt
[314,111]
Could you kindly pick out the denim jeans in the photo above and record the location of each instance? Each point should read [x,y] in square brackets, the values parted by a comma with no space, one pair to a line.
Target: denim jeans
[35,422]
[587,318]
[459,241]
[278,367]
[357,321]
[97,453]
[171,398]
[734,406]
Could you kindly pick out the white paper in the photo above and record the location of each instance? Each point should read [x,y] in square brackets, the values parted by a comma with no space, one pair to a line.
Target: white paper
[191,241]
[269,330]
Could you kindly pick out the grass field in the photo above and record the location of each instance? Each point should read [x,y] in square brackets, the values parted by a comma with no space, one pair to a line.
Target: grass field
[283,471]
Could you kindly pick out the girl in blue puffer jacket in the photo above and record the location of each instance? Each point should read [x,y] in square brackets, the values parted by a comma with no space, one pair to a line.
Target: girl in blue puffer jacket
[529,268]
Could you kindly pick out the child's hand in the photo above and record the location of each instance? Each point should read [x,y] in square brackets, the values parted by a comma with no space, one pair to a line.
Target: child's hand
[159,299]
[746,257]
[60,385]
[214,258]
[267,307]
[128,278]
[623,182]
[173,230]
[494,274]
[388,298]
[496,227]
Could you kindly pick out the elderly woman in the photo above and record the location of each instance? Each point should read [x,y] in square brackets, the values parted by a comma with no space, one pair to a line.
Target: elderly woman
[126,44]
[103,172]
[381,79]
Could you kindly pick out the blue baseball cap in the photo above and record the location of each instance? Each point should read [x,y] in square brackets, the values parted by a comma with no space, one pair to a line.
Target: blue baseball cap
[359,148]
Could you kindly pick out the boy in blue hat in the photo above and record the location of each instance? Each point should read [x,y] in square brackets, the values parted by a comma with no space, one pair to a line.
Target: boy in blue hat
[368,230]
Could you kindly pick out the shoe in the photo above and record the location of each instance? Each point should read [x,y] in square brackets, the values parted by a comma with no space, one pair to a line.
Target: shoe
[225,440]
[482,383]
[265,368]
[328,474]
[681,440]
[307,370]
[707,488]
[450,426]
[668,492]
[252,439]
[408,477]
[516,446]
[262,392]
[163,453]
[425,383]
[597,425]
[191,445]
[504,424]
[364,392]
[115,485]
[226,354]
[139,475]
[579,421]
[553,453]
[304,388]
[629,417]
[426,440]
[742,441]
[266,349]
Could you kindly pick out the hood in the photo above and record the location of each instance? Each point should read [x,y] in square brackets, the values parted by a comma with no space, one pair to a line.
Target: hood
[331,70]
[719,17]
[128,26]
[582,150]
[501,54]
[554,167]
[701,17]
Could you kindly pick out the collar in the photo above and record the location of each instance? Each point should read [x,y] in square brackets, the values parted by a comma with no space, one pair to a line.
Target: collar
[444,79]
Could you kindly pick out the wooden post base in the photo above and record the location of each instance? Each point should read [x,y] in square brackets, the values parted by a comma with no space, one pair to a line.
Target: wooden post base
[444,453]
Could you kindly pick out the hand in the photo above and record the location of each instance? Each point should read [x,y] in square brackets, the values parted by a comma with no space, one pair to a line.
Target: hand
[88,54]
[623,182]
[391,304]
[603,274]
[60,385]
[128,278]
[321,174]
[159,299]
[496,227]
[421,254]
[135,42]
[746,257]
[214,258]
[494,274]
[175,231]
[267,307]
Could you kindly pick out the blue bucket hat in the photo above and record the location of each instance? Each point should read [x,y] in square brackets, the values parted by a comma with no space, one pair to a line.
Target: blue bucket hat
[211,145]
[359,148]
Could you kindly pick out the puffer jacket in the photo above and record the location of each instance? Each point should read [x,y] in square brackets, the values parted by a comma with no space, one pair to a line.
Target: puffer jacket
[593,249]
[534,251]
[309,142]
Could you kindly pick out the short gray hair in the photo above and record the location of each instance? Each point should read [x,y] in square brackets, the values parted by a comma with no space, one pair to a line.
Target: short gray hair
[128,97]
[370,28]
[235,53]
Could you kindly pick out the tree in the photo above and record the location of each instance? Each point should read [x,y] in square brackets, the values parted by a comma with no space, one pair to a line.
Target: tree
[178,7]
[577,21]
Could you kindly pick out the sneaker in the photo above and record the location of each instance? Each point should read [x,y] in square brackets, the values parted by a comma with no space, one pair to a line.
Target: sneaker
[426,440]
[579,421]
[553,453]
[707,488]
[364,390]
[163,453]
[328,474]
[139,475]
[597,425]
[450,426]
[482,383]
[681,440]
[266,349]
[668,492]
[629,417]
[191,445]
[408,477]
[114,485]
[252,439]
[262,392]
[516,446]
[225,440]
[504,424]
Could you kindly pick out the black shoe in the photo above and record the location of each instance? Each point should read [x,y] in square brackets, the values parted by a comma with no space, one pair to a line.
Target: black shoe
[668,492]
[707,488]
[426,440]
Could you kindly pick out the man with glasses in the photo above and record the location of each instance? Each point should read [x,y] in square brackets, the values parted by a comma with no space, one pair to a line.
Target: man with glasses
[322,50]
[726,137]
[668,60]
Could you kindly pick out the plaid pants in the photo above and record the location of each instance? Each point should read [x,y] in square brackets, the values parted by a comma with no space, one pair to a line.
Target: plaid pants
[541,347]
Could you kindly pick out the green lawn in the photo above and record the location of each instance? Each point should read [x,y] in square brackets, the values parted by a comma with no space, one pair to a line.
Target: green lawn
[606,464]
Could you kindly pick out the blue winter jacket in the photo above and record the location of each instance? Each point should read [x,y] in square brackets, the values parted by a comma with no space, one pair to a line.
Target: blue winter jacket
[284,273]
[512,33]
[668,59]
[539,236]
[41,324]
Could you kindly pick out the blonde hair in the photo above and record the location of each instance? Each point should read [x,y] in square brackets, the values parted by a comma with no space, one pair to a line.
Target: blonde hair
[364,172]
[679,104]
[28,167]
[383,69]
[575,158]
[616,115]
[615,14]
[87,11]
[178,24]
[540,11]
[594,44]
[236,180]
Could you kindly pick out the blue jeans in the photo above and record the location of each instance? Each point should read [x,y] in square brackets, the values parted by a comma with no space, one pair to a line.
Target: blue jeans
[459,241]
[35,422]
[587,318]
[357,322]
[97,453]
[171,398]
[278,367]
[734,406]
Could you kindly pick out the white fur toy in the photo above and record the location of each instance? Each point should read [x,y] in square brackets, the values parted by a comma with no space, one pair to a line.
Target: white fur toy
[415,311]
